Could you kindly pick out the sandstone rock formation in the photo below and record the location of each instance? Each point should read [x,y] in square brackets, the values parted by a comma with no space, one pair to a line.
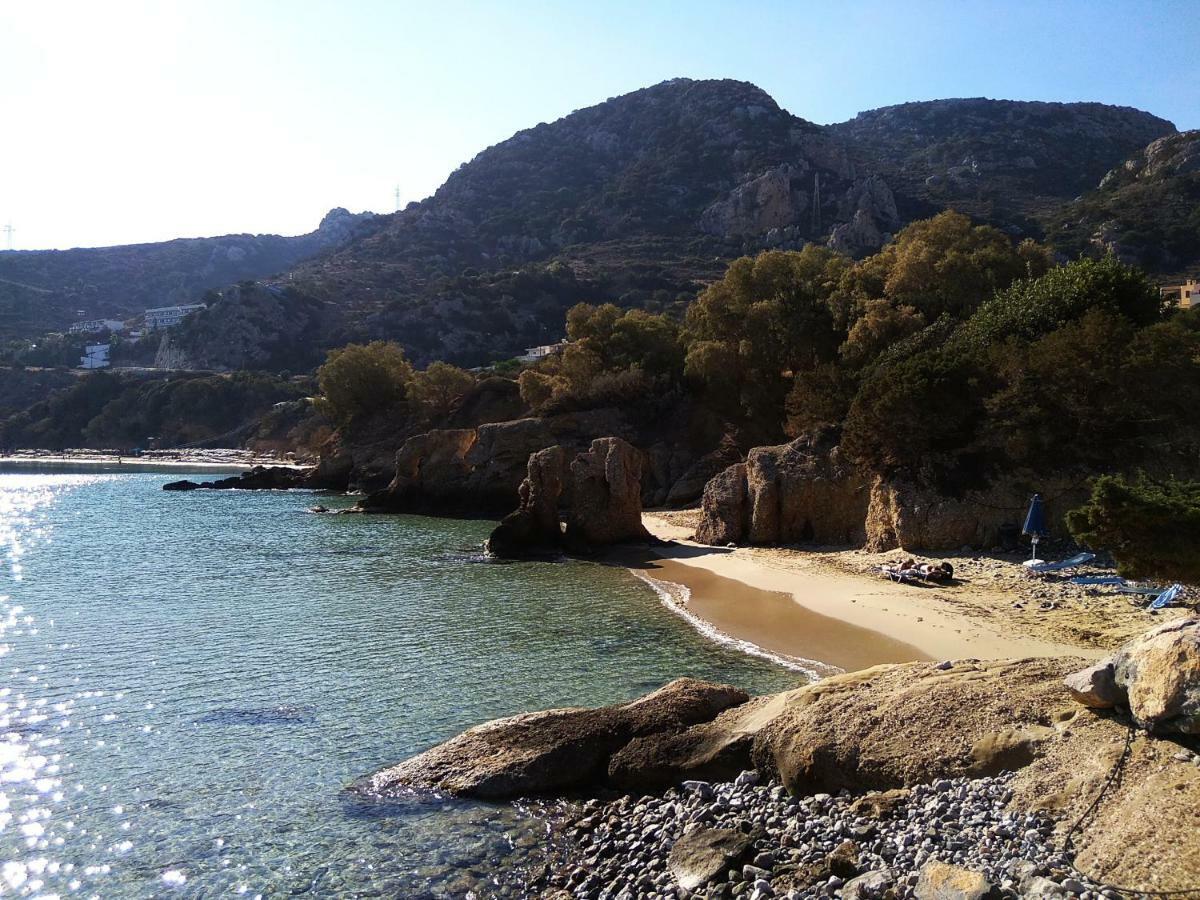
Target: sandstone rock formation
[1157,676]
[606,495]
[797,492]
[806,492]
[555,750]
[534,527]
[601,492]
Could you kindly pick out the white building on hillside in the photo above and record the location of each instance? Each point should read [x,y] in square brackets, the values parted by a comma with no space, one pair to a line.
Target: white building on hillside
[533,354]
[95,356]
[91,326]
[169,316]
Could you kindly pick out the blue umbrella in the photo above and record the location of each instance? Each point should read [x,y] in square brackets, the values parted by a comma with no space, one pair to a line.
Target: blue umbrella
[1035,521]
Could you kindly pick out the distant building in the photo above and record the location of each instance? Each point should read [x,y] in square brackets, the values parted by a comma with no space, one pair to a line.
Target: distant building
[95,356]
[1184,296]
[91,326]
[169,316]
[533,354]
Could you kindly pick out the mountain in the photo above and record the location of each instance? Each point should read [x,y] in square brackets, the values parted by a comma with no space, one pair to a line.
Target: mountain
[45,290]
[1009,162]
[642,200]
[1146,210]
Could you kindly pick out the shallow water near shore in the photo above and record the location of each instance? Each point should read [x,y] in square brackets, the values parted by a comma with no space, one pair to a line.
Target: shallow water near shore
[190,681]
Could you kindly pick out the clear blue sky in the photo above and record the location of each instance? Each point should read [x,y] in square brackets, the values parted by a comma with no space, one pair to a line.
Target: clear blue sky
[139,121]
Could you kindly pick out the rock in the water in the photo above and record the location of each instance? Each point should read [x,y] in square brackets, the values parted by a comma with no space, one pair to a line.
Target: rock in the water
[705,854]
[259,478]
[606,495]
[556,750]
[942,881]
[1095,686]
[534,527]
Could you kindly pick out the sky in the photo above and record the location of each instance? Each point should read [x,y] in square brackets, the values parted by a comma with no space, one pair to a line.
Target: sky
[123,122]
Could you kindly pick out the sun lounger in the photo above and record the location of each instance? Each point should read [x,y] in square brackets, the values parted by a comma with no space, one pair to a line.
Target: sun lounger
[1167,597]
[1079,559]
[1150,591]
[903,576]
[1110,580]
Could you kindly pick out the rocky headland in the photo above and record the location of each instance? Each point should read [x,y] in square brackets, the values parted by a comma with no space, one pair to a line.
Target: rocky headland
[959,779]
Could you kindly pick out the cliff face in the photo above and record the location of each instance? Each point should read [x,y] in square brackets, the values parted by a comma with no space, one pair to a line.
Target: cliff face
[806,493]
[1009,162]
[1146,210]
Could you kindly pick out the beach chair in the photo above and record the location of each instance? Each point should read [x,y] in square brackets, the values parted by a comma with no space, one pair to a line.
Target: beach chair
[1041,568]
[1108,580]
[901,576]
[1167,597]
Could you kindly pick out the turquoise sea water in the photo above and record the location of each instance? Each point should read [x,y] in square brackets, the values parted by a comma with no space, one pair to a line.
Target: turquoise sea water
[188,682]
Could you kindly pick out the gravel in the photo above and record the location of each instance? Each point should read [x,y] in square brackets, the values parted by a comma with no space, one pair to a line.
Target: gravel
[618,850]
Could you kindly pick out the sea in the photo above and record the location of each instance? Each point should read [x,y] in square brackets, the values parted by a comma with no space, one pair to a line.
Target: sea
[190,681]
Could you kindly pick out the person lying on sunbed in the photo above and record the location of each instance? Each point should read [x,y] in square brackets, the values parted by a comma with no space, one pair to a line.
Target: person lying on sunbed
[941,573]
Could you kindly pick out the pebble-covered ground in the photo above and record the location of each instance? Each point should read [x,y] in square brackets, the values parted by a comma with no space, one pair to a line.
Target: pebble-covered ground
[820,846]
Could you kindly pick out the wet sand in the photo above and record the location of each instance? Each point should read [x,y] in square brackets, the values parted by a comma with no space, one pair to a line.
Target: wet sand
[810,610]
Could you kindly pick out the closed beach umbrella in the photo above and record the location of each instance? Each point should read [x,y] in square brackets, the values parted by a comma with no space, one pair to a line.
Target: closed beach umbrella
[1035,521]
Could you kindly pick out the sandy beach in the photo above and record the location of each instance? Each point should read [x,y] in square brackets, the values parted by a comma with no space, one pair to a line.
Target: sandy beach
[831,607]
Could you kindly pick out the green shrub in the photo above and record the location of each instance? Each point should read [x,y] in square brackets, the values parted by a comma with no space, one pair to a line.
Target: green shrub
[359,379]
[1151,528]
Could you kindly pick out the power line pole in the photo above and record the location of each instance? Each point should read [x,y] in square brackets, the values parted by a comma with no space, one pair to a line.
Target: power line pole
[397,198]
[8,232]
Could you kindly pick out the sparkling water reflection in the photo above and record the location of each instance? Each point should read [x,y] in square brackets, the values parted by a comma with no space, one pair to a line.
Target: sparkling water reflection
[189,681]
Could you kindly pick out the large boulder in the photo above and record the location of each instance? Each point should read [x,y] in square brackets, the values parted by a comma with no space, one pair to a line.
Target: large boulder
[606,495]
[534,526]
[802,492]
[943,881]
[1157,676]
[706,854]
[556,750]
[258,478]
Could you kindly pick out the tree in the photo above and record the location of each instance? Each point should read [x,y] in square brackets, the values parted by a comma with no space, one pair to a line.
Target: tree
[537,389]
[1151,528]
[881,325]
[362,378]
[945,265]
[436,389]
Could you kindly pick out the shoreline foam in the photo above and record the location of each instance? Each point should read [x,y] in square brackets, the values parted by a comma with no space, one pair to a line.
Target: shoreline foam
[839,619]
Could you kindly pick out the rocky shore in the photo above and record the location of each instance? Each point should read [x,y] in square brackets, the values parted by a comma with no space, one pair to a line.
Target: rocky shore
[955,780]
[953,838]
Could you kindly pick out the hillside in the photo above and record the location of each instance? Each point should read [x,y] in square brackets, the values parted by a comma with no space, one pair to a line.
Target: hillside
[1146,210]
[640,200]
[44,290]
[1003,161]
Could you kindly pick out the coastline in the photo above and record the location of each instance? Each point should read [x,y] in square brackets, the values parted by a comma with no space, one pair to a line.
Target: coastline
[211,461]
[801,606]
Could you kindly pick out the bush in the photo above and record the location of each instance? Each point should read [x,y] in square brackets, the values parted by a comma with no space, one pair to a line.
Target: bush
[435,390]
[1151,528]
[362,378]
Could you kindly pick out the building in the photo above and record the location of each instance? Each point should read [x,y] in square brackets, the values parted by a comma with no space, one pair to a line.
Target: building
[1185,295]
[533,354]
[91,326]
[169,316]
[95,356]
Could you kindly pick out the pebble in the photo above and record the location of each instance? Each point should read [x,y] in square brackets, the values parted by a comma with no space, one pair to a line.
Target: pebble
[960,821]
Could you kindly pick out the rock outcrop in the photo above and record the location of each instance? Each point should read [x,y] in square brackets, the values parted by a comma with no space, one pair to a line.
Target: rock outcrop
[259,478]
[770,200]
[600,491]
[606,495]
[534,527]
[1156,676]
[802,492]
[556,750]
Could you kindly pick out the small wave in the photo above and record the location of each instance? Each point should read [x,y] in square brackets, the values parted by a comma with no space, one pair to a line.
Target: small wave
[675,597]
